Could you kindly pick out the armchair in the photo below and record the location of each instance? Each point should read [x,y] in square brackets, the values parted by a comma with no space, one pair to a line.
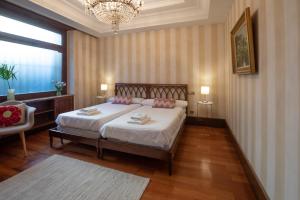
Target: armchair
[19,128]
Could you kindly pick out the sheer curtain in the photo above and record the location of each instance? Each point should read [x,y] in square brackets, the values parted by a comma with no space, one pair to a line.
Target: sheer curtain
[36,67]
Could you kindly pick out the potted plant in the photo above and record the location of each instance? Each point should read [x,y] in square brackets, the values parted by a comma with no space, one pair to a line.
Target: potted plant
[8,74]
[59,87]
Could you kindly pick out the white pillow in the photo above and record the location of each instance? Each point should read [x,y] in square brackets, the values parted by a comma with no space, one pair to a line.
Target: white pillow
[148,102]
[137,100]
[181,104]
[134,100]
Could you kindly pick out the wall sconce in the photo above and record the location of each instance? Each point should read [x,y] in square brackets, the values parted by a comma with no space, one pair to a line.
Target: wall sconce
[205,92]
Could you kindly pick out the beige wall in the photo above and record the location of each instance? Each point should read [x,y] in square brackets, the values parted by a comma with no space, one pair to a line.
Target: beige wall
[193,55]
[263,110]
[84,81]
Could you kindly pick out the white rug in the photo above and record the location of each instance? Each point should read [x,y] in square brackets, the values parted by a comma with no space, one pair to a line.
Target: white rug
[64,178]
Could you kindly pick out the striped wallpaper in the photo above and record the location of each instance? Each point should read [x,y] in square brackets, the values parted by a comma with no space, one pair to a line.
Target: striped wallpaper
[263,110]
[84,81]
[193,55]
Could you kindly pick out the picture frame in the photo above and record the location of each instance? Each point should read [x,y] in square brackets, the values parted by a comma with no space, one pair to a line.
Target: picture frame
[242,45]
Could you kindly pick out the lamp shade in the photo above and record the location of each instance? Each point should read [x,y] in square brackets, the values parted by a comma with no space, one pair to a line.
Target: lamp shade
[104,87]
[205,90]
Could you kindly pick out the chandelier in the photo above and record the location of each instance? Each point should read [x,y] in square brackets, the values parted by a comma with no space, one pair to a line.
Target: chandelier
[113,12]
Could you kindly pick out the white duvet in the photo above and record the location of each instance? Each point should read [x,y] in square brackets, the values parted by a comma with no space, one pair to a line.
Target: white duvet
[108,112]
[159,132]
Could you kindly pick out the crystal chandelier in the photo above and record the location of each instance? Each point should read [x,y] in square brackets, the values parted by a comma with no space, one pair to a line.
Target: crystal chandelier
[113,12]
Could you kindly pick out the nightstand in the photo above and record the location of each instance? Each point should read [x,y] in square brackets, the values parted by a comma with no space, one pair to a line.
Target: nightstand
[101,99]
[208,104]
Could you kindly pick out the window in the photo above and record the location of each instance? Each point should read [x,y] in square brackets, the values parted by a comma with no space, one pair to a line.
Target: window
[37,53]
[15,27]
[35,67]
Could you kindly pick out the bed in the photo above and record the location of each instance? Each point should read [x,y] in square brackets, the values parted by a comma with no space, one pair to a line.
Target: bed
[107,134]
[93,123]
[86,129]
[157,139]
[159,132]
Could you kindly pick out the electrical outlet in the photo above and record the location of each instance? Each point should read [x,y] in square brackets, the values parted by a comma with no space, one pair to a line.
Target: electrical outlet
[192,93]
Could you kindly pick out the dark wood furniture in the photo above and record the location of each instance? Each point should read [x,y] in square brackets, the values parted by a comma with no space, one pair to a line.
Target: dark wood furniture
[48,108]
[151,91]
[176,91]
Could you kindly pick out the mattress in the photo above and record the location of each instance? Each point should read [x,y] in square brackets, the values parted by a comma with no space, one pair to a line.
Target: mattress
[108,112]
[159,132]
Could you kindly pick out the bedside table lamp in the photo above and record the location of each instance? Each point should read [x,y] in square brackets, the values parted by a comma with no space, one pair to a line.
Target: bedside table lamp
[102,97]
[103,88]
[205,92]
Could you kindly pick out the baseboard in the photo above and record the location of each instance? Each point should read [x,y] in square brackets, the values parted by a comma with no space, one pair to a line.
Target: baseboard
[212,122]
[255,183]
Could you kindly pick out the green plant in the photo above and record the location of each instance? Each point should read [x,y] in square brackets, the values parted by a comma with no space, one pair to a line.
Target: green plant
[7,73]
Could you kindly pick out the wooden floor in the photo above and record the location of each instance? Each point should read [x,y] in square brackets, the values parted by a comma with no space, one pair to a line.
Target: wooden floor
[206,165]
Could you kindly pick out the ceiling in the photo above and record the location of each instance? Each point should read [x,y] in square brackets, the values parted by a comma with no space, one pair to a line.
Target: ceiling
[155,14]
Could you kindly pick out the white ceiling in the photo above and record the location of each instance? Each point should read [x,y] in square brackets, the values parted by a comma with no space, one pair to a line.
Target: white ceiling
[155,14]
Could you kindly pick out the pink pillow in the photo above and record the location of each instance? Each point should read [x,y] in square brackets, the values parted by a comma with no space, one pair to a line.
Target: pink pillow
[164,103]
[122,100]
[12,115]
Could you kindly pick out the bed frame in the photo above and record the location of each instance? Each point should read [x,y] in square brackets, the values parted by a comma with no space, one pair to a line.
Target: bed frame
[149,91]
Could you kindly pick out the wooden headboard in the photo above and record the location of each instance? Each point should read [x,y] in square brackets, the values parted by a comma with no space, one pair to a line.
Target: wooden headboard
[151,91]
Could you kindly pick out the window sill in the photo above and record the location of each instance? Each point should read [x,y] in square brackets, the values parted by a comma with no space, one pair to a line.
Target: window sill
[32,95]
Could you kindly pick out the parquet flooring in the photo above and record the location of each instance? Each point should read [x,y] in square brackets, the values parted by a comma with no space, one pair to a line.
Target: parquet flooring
[206,166]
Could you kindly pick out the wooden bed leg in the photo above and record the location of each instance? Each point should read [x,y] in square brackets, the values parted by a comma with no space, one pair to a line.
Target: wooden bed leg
[170,165]
[62,141]
[101,153]
[98,152]
[51,140]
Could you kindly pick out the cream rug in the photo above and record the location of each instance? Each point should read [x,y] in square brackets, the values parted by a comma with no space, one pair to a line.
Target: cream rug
[64,178]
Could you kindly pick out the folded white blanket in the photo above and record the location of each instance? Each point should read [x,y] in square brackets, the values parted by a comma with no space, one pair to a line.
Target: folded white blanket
[90,109]
[139,122]
[96,112]
[139,116]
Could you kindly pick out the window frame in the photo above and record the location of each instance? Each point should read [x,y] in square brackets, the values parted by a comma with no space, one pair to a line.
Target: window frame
[21,14]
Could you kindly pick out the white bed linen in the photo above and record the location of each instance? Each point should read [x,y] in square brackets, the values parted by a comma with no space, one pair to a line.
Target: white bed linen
[79,132]
[108,112]
[159,132]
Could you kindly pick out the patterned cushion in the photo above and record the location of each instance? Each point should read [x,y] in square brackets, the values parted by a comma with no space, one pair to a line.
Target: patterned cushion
[164,103]
[12,115]
[122,100]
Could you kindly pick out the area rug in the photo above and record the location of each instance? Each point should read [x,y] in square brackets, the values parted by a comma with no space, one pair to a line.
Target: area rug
[64,178]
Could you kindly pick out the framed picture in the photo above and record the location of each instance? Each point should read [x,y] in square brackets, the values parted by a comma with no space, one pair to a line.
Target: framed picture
[242,45]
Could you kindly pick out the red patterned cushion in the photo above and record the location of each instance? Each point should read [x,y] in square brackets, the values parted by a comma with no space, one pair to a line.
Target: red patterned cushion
[122,100]
[11,115]
[164,103]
